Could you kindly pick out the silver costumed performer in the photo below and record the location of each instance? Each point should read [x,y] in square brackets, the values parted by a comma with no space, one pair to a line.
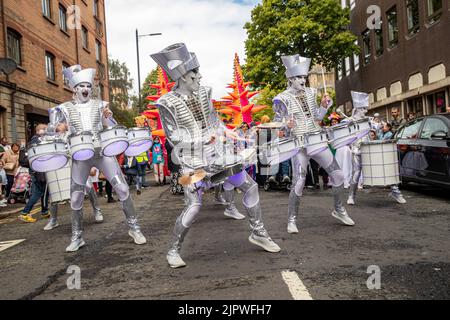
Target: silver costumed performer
[297,107]
[85,114]
[191,123]
[360,108]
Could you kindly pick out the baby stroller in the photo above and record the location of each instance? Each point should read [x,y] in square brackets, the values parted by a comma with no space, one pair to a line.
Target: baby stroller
[21,189]
[278,183]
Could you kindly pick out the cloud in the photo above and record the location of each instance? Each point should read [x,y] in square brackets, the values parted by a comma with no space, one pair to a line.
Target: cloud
[213,29]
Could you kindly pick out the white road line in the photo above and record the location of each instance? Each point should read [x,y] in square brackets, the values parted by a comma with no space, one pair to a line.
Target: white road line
[8,244]
[295,285]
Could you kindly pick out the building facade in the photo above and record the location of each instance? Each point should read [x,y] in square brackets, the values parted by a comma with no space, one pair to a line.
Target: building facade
[43,37]
[404,60]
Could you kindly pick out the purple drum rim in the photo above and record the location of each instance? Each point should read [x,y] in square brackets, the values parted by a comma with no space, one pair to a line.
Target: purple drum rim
[137,148]
[47,164]
[115,148]
[316,151]
[362,134]
[347,142]
[83,155]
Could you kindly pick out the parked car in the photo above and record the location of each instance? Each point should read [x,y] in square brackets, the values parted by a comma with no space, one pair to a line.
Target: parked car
[424,150]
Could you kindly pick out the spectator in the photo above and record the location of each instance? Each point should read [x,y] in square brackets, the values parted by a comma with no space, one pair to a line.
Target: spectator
[396,121]
[3,183]
[4,146]
[38,182]
[372,135]
[447,109]
[11,160]
[411,116]
[131,172]
[158,161]
[386,132]
[142,162]
[107,186]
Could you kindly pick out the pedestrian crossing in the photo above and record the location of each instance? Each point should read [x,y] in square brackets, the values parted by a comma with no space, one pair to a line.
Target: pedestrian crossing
[8,244]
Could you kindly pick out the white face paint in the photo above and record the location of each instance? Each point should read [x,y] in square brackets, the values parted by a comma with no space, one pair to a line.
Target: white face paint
[83,92]
[190,82]
[359,113]
[298,83]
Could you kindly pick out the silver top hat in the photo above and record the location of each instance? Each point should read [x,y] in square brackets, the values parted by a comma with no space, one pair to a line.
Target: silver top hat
[296,65]
[176,60]
[360,100]
[76,75]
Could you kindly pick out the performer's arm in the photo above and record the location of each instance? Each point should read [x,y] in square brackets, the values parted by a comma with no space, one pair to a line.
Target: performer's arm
[326,104]
[57,117]
[281,115]
[107,115]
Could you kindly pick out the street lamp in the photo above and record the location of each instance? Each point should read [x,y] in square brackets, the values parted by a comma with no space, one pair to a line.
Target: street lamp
[138,59]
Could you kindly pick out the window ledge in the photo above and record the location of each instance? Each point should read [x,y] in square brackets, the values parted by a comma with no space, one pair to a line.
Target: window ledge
[430,24]
[87,50]
[49,20]
[410,36]
[65,32]
[52,82]
[21,69]
[66,88]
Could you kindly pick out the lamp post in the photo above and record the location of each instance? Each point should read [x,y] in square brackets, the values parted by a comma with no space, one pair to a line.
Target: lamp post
[138,58]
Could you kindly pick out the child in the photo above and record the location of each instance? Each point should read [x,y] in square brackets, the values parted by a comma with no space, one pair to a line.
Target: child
[3,183]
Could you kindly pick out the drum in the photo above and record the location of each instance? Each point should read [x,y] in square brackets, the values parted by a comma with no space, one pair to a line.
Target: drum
[58,182]
[114,141]
[342,135]
[48,156]
[249,156]
[362,128]
[227,166]
[140,140]
[280,150]
[271,126]
[380,164]
[316,142]
[82,146]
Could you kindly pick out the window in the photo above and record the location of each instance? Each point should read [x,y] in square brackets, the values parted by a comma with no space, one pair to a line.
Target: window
[84,37]
[47,8]
[356,59]
[433,125]
[347,66]
[62,18]
[393,27]
[65,65]
[14,46]
[379,46]
[434,10]
[98,50]
[411,130]
[340,72]
[96,8]
[367,46]
[412,13]
[50,66]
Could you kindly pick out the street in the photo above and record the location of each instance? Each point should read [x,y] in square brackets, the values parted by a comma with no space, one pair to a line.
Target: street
[326,260]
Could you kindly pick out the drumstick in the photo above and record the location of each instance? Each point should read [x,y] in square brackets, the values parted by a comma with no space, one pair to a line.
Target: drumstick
[323,79]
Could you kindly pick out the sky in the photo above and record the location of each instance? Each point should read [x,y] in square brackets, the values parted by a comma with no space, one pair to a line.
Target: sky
[213,29]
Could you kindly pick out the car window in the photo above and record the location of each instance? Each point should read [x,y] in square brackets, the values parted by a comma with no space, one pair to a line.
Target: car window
[411,130]
[431,126]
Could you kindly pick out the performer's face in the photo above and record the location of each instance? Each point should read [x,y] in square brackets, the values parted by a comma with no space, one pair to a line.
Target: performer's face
[192,80]
[360,113]
[83,92]
[298,83]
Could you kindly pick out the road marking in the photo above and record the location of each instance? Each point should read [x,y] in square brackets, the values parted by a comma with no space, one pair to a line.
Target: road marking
[8,244]
[295,285]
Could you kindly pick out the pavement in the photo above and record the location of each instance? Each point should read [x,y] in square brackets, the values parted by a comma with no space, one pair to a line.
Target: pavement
[394,252]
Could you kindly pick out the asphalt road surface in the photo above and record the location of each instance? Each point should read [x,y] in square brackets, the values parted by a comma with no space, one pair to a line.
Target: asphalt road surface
[394,252]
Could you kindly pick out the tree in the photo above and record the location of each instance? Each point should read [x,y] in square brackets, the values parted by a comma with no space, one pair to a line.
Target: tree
[317,29]
[146,91]
[120,83]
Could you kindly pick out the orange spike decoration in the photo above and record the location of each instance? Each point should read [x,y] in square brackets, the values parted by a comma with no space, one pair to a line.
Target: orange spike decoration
[237,103]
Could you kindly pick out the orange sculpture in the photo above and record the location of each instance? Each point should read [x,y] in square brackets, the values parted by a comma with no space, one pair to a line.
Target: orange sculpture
[237,103]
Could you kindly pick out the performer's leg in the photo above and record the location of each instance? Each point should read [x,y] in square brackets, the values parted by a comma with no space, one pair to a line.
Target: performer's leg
[299,167]
[327,161]
[94,203]
[219,194]
[251,202]
[397,195]
[193,201]
[357,167]
[80,173]
[112,172]
[231,211]
[53,222]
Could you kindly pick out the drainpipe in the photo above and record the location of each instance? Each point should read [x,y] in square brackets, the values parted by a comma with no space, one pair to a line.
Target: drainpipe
[76,38]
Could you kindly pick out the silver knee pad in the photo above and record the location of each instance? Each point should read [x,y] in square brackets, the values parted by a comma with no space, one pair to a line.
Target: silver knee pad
[76,196]
[337,177]
[121,187]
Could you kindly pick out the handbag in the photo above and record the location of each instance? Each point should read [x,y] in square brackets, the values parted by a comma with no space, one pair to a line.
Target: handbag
[9,166]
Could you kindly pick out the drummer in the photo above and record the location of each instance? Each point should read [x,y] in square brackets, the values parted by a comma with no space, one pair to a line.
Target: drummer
[298,109]
[193,127]
[81,115]
[360,108]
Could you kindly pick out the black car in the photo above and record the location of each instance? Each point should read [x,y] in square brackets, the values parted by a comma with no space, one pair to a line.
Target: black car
[424,150]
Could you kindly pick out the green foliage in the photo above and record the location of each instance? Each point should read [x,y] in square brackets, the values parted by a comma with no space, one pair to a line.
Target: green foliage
[313,28]
[265,99]
[146,91]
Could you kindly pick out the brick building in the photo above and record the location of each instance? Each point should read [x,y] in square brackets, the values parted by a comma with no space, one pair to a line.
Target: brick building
[44,37]
[405,63]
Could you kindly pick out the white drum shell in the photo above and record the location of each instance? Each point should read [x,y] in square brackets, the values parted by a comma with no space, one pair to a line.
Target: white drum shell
[279,151]
[47,149]
[58,182]
[380,163]
[138,134]
[316,142]
[342,135]
[81,142]
[113,135]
